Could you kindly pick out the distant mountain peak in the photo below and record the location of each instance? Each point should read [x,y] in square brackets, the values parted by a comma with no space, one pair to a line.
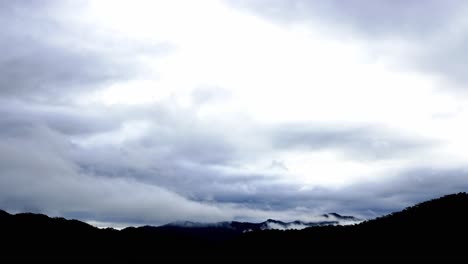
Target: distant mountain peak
[190,224]
[274,221]
[341,217]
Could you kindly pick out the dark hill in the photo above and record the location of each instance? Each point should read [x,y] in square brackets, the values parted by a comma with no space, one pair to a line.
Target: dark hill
[435,229]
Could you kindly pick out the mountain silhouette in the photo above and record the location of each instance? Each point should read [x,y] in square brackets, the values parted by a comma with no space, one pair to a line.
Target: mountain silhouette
[432,230]
[242,227]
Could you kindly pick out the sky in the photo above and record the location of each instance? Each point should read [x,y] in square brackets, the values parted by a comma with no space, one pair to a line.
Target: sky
[148,112]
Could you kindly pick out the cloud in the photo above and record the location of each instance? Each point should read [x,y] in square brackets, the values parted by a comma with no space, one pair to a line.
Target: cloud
[412,18]
[159,114]
[38,175]
[42,171]
[49,54]
[399,32]
[368,142]
[193,163]
[71,121]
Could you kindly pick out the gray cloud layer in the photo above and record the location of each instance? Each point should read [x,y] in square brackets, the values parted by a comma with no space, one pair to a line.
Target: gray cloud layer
[182,167]
[358,142]
[47,56]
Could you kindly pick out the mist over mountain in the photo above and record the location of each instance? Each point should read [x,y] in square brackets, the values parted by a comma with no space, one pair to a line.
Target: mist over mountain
[429,230]
[323,220]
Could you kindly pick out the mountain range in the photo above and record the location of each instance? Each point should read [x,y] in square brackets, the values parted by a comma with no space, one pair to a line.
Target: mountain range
[242,227]
[432,230]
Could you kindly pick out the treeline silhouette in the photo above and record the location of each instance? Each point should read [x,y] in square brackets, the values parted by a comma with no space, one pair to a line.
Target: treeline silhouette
[432,230]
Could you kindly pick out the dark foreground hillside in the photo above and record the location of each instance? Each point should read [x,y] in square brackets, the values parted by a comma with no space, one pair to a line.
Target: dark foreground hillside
[435,229]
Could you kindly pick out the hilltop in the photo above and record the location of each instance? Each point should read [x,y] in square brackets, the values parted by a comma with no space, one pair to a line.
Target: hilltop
[429,230]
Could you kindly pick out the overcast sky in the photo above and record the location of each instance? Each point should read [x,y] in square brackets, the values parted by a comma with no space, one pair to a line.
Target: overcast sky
[148,112]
